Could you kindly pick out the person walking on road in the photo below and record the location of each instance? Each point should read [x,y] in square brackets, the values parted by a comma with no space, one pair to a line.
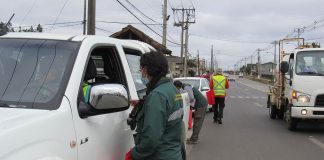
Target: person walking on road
[219,84]
[199,106]
[158,131]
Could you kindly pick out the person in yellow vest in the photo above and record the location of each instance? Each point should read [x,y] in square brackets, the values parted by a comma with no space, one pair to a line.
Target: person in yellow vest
[219,84]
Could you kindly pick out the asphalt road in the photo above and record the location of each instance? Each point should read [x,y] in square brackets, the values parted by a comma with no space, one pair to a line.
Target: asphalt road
[247,132]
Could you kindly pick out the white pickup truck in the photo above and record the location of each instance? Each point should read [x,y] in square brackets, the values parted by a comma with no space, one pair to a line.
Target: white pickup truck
[43,113]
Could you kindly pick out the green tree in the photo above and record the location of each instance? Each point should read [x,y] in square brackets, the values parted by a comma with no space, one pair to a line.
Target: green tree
[191,63]
[191,73]
[39,28]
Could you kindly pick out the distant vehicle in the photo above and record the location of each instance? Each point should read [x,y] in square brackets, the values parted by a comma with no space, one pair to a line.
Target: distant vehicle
[241,75]
[231,78]
[202,84]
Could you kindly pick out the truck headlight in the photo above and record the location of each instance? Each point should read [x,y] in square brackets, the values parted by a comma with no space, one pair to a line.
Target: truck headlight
[303,98]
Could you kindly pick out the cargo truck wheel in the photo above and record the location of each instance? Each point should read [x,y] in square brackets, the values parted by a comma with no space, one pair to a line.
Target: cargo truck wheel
[272,111]
[281,112]
[291,122]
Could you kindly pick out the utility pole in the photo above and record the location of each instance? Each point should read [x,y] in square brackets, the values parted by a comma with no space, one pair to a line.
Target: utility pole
[85,17]
[165,7]
[251,66]
[198,63]
[91,17]
[190,18]
[245,65]
[186,48]
[212,60]
[259,65]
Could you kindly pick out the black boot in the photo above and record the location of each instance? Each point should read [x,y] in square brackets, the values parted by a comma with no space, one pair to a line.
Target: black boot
[215,119]
[220,121]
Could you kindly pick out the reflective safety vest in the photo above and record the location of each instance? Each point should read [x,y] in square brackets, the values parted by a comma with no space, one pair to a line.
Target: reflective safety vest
[86,92]
[219,82]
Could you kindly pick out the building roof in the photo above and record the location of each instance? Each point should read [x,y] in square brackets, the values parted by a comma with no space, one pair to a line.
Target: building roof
[130,32]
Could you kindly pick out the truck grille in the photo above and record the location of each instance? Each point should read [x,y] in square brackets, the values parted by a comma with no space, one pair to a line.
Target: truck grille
[319,102]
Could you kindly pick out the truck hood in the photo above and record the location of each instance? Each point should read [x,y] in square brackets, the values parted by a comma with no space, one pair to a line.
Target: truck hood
[33,134]
[311,85]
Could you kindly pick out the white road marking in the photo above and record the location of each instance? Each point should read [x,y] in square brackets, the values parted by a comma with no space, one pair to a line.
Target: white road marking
[247,97]
[257,104]
[316,141]
[232,97]
[255,97]
[240,97]
[251,86]
[263,97]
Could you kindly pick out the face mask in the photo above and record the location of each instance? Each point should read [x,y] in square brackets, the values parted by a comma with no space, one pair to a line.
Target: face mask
[145,81]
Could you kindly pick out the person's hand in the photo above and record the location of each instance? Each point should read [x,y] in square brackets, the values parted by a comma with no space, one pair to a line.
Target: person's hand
[128,155]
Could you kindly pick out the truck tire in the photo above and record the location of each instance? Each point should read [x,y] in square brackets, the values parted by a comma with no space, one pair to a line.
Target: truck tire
[291,122]
[272,110]
[281,112]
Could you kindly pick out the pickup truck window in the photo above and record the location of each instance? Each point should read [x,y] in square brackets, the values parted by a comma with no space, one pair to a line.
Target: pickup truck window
[133,59]
[34,73]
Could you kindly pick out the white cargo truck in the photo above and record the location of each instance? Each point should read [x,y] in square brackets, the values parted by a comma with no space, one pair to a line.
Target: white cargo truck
[43,112]
[298,93]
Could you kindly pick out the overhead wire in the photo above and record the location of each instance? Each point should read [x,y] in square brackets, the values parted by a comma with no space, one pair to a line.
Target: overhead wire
[57,17]
[30,9]
[160,29]
[141,12]
[143,22]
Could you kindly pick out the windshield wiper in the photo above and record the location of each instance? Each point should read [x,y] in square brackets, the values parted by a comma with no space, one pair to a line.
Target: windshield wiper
[312,73]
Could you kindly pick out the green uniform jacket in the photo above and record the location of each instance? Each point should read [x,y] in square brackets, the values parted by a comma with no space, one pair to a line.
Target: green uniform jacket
[158,132]
[200,99]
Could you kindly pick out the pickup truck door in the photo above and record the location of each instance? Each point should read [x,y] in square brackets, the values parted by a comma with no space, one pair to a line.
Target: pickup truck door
[106,136]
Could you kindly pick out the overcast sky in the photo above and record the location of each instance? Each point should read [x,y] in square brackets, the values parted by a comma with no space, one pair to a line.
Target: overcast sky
[236,28]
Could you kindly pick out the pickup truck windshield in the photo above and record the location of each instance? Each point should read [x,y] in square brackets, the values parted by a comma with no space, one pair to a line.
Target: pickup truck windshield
[34,73]
[310,63]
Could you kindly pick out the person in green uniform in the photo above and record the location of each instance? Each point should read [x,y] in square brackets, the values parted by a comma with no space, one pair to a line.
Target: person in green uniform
[200,111]
[158,132]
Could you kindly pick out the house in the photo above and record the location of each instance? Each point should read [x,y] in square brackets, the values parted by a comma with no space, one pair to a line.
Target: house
[175,65]
[130,32]
[267,69]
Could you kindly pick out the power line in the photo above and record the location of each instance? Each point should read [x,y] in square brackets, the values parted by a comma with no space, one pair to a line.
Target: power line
[114,22]
[141,12]
[30,9]
[143,22]
[57,17]
[104,30]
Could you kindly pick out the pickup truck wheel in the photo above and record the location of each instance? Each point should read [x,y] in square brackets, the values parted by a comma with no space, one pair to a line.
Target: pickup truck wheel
[272,111]
[291,122]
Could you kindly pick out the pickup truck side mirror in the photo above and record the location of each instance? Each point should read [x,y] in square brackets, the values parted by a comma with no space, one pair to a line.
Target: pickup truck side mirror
[105,98]
[108,96]
[284,67]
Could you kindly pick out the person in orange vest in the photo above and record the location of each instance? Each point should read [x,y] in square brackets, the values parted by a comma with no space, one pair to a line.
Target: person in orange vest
[219,84]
